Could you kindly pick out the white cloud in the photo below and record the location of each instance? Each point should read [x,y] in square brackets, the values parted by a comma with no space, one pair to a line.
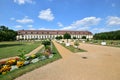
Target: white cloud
[113,21]
[67,28]
[83,24]
[42,28]
[23,1]
[46,15]
[83,28]
[60,24]
[18,26]
[104,29]
[25,20]
[100,29]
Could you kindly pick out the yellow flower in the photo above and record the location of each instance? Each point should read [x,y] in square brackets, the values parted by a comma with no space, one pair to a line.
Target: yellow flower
[11,62]
[5,68]
[3,73]
[20,63]
[33,55]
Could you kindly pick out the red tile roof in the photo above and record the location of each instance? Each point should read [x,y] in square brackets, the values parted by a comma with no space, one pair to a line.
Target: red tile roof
[53,32]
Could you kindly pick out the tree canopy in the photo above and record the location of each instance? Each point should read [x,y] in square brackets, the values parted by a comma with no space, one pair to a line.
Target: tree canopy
[45,43]
[112,35]
[58,37]
[74,37]
[7,34]
[67,36]
[83,37]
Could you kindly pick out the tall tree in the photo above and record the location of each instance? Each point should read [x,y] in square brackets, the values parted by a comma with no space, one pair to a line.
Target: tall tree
[83,37]
[112,35]
[7,34]
[74,37]
[58,37]
[67,36]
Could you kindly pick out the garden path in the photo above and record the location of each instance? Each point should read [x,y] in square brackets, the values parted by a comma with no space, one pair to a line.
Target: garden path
[99,63]
[32,52]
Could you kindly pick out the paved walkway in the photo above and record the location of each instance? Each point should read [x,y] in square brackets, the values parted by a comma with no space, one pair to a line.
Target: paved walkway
[32,52]
[101,63]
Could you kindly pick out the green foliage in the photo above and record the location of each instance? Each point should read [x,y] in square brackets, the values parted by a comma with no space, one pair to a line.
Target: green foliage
[113,35]
[87,40]
[76,43]
[47,47]
[83,37]
[7,34]
[67,36]
[113,43]
[10,49]
[74,37]
[45,43]
[18,72]
[73,49]
[22,53]
[58,37]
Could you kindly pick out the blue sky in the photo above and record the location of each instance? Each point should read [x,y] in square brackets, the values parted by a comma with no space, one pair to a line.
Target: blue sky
[92,15]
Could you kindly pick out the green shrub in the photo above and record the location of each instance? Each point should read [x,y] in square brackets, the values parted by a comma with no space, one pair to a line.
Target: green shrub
[45,43]
[76,43]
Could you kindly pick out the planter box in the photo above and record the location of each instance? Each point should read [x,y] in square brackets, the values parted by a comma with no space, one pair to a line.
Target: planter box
[76,46]
[67,44]
[83,41]
[51,56]
[35,60]
[60,42]
[103,43]
[13,68]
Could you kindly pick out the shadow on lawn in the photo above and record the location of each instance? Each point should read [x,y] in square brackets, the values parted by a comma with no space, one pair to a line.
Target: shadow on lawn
[9,45]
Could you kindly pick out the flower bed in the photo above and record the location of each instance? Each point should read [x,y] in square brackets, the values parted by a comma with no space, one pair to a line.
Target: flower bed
[12,64]
[11,75]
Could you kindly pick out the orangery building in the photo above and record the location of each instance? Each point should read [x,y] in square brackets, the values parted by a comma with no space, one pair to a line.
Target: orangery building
[50,34]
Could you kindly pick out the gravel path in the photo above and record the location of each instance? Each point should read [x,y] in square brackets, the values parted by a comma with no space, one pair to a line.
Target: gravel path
[99,63]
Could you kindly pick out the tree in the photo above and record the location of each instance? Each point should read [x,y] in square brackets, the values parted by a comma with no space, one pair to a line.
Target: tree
[3,28]
[67,36]
[7,34]
[83,37]
[74,37]
[112,35]
[45,43]
[58,37]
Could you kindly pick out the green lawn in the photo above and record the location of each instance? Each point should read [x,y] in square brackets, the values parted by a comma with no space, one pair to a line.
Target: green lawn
[73,49]
[18,72]
[9,49]
[113,43]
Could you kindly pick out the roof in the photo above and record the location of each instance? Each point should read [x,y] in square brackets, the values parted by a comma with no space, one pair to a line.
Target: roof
[53,32]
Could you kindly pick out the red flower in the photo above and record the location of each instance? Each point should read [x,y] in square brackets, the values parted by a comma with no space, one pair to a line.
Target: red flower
[16,59]
[2,62]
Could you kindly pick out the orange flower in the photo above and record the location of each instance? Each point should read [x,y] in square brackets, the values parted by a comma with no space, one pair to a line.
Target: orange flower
[20,63]
[5,68]
[11,62]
